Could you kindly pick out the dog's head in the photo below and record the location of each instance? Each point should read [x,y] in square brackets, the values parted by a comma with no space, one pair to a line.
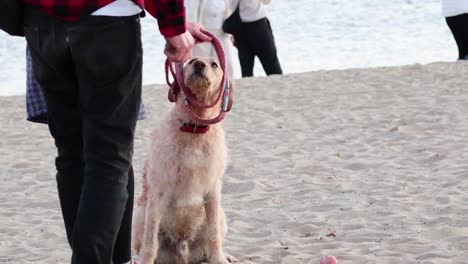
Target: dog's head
[203,76]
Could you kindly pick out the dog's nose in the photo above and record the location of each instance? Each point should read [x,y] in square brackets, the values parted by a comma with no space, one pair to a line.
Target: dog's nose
[199,66]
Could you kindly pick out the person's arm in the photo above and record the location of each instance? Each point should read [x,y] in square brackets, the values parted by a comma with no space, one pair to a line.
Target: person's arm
[179,48]
[173,26]
[170,15]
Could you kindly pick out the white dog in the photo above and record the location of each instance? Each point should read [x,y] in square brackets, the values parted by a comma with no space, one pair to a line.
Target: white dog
[179,218]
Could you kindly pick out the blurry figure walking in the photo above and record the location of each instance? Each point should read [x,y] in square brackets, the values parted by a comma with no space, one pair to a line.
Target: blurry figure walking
[255,37]
[211,14]
[456,15]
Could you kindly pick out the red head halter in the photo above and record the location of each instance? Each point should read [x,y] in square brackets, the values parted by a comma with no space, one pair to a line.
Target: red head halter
[176,70]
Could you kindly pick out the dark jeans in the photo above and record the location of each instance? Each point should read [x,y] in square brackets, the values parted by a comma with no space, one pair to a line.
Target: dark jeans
[459,27]
[70,185]
[256,39]
[90,73]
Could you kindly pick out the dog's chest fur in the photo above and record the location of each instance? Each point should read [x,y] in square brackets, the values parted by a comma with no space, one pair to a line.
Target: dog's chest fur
[192,167]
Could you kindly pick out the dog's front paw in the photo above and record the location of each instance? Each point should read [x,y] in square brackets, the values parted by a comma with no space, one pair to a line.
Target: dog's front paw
[231,259]
[147,259]
[136,248]
[220,259]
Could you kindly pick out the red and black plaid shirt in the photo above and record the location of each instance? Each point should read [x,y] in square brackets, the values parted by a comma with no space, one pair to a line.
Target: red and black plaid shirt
[170,13]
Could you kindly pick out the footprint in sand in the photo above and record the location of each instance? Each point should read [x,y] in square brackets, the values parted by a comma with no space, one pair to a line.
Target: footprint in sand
[408,129]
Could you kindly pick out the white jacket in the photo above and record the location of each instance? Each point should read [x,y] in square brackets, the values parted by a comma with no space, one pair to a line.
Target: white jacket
[250,10]
[454,7]
[211,14]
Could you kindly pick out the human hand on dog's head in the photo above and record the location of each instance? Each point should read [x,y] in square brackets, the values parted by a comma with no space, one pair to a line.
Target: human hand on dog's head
[179,48]
[196,30]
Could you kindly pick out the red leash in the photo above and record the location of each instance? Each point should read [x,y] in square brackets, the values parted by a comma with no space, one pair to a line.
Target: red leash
[176,70]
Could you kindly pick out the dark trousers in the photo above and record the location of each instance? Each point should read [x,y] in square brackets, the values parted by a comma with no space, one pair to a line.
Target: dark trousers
[459,27]
[256,39]
[90,73]
[69,186]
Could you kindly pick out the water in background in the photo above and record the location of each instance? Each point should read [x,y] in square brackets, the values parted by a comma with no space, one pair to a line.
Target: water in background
[310,35]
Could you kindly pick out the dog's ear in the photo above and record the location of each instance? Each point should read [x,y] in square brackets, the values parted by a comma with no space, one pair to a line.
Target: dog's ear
[231,96]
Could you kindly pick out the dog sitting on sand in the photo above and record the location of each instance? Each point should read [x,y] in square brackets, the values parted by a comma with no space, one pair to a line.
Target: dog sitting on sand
[179,218]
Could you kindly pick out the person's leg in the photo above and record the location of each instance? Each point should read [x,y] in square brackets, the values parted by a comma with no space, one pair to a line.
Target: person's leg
[263,43]
[122,247]
[246,55]
[54,71]
[108,62]
[92,228]
[458,26]
[38,108]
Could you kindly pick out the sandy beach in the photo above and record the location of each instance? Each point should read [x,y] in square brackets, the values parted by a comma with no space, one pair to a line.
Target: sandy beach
[368,165]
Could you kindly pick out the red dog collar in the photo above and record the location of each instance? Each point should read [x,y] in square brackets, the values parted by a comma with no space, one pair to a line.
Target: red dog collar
[194,128]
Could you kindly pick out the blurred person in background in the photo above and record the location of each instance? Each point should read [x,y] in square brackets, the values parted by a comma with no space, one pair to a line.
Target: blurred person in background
[255,38]
[211,14]
[456,15]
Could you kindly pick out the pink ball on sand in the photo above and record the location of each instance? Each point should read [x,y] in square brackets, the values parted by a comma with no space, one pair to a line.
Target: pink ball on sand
[328,260]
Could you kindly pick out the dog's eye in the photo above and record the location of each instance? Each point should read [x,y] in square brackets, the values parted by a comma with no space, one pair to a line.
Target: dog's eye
[214,65]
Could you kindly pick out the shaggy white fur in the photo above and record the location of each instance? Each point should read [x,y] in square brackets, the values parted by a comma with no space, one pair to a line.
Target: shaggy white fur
[179,218]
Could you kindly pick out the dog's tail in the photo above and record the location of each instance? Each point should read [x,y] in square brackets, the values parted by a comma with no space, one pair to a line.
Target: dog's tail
[144,193]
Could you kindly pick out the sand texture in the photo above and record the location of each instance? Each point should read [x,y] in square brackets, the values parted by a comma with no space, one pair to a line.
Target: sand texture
[368,165]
